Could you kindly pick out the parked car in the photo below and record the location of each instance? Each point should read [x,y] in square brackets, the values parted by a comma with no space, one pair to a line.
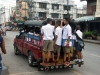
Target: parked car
[8,28]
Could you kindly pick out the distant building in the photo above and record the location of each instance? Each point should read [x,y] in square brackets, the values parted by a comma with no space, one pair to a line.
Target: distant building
[31,9]
[50,8]
[22,9]
[93,7]
[4,15]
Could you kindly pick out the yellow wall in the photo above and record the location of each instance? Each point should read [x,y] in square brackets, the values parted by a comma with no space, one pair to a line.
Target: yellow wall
[24,9]
[97,14]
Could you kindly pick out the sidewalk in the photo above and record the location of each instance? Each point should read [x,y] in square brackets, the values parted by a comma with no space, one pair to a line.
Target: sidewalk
[92,41]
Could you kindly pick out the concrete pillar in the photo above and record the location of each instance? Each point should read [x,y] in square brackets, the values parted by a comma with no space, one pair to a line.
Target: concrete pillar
[97,14]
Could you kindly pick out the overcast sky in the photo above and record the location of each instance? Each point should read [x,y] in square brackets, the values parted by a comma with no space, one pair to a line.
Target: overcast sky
[10,3]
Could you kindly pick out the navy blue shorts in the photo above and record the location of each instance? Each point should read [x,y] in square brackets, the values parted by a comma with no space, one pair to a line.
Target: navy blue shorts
[78,47]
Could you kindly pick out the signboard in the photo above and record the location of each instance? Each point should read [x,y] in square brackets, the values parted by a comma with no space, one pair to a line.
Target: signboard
[37,15]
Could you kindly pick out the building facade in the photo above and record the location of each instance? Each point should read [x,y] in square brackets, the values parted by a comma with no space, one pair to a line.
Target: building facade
[4,15]
[54,9]
[93,7]
[22,9]
[51,9]
[31,9]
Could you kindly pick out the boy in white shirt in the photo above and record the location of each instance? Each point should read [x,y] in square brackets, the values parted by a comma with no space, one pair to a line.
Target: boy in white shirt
[47,31]
[67,33]
[57,40]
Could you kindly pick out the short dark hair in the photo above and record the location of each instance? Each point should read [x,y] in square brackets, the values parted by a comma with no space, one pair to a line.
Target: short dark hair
[78,27]
[67,19]
[49,20]
[58,23]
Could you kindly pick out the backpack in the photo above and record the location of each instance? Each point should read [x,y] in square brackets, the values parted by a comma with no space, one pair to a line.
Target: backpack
[80,41]
[1,45]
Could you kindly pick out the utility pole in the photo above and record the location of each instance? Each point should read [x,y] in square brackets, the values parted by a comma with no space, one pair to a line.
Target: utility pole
[4,15]
[68,8]
[25,9]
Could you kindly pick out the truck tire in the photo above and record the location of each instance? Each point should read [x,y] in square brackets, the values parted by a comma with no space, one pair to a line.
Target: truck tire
[31,60]
[72,65]
[16,52]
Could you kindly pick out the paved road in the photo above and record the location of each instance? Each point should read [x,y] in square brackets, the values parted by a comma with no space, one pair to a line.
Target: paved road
[17,65]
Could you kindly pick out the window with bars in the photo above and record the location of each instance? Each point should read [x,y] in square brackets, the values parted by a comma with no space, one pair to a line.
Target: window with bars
[41,14]
[67,7]
[55,6]
[43,5]
[66,15]
[54,15]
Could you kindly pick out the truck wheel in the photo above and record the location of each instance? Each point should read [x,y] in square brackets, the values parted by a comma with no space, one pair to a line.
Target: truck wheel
[16,52]
[72,65]
[39,66]
[31,60]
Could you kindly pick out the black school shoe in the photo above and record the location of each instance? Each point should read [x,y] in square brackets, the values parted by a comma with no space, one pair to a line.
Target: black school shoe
[82,62]
[76,62]
[79,64]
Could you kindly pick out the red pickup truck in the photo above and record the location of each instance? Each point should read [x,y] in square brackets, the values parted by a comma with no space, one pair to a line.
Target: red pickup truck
[33,48]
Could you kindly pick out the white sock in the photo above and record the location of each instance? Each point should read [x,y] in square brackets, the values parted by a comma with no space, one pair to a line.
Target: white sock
[81,59]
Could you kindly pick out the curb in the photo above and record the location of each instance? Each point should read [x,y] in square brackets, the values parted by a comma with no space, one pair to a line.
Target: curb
[92,42]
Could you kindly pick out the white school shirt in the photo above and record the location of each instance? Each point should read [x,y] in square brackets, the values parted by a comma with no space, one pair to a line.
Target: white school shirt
[73,37]
[67,31]
[48,31]
[79,33]
[58,33]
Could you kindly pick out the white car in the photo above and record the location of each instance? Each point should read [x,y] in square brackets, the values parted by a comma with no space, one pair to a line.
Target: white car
[8,28]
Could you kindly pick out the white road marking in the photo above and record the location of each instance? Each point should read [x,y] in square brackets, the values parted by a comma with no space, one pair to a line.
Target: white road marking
[95,55]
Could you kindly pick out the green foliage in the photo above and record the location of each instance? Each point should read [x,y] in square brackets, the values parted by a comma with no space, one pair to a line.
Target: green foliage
[98,34]
[94,32]
[87,34]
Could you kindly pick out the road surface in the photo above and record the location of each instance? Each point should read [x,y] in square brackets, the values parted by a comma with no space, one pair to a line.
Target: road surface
[18,65]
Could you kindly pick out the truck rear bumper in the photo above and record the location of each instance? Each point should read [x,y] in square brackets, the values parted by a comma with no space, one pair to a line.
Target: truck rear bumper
[44,68]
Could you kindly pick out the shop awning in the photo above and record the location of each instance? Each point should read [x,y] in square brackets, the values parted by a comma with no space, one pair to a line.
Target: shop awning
[85,18]
[18,21]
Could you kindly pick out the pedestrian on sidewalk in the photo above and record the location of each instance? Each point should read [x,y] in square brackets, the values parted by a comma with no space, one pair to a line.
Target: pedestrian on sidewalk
[2,45]
[79,44]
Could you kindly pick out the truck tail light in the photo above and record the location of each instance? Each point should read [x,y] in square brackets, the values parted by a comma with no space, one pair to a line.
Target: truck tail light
[40,54]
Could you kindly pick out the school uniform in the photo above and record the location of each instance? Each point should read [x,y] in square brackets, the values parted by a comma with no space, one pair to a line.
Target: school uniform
[67,31]
[58,33]
[47,32]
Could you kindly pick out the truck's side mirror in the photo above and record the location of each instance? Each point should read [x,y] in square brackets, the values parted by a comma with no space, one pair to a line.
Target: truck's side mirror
[17,36]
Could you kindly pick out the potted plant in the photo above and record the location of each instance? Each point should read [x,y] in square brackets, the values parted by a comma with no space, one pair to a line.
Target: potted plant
[94,34]
[87,35]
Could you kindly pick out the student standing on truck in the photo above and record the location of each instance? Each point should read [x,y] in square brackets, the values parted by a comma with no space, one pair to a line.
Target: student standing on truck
[67,33]
[47,32]
[2,45]
[78,47]
[57,40]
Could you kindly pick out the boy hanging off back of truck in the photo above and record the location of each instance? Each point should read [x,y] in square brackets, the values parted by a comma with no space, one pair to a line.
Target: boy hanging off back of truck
[57,40]
[67,33]
[47,32]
